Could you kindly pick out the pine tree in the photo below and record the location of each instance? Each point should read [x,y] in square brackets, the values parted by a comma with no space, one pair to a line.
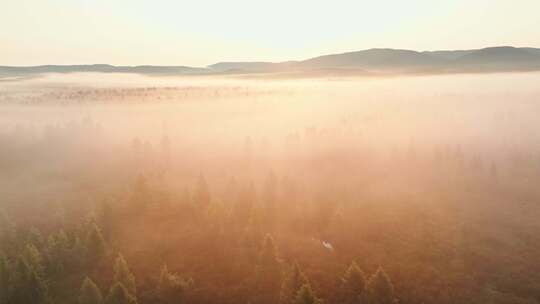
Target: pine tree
[171,287]
[202,194]
[57,253]
[292,282]
[268,273]
[19,277]
[33,258]
[8,232]
[34,237]
[37,289]
[90,293]
[77,254]
[268,257]
[141,196]
[353,285]
[27,285]
[105,220]
[269,200]
[120,295]
[306,296]
[95,245]
[380,289]
[243,207]
[270,191]
[253,234]
[4,280]
[123,275]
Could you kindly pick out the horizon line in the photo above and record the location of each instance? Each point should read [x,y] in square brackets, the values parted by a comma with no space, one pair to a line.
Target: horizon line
[262,61]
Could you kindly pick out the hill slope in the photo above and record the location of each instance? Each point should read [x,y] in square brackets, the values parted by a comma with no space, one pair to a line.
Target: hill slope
[492,59]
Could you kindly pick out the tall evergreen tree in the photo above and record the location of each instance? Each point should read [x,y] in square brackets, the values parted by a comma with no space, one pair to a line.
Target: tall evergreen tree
[268,257]
[57,253]
[171,287]
[34,237]
[106,220]
[141,196]
[123,275]
[293,280]
[77,253]
[120,295]
[253,234]
[380,289]
[353,285]
[306,296]
[202,193]
[27,285]
[37,289]
[90,293]
[244,205]
[19,277]
[4,280]
[95,244]
[34,258]
[268,273]
[269,196]
[8,232]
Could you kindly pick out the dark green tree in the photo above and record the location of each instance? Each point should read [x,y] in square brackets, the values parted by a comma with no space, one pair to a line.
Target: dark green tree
[353,285]
[90,293]
[268,273]
[120,295]
[4,280]
[37,289]
[172,287]
[253,233]
[123,275]
[380,289]
[106,220]
[306,296]
[95,245]
[76,254]
[293,280]
[34,258]
[27,285]
[57,253]
[34,237]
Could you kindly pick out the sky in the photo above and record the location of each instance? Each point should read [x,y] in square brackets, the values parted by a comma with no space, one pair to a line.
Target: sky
[202,32]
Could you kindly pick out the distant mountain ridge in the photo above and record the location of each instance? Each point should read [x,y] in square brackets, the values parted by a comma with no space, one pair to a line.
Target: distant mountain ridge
[102,68]
[378,60]
[487,59]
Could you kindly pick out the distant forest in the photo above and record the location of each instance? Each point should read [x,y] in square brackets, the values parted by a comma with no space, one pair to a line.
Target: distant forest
[273,238]
[242,206]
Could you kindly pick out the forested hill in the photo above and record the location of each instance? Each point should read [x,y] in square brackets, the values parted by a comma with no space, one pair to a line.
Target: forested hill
[492,59]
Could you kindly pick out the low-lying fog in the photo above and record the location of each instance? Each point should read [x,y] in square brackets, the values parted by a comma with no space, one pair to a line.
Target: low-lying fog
[478,111]
[198,122]
[434,178]
[74,124]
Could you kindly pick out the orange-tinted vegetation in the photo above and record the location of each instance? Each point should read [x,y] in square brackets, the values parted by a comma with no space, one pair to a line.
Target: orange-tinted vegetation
[125,189]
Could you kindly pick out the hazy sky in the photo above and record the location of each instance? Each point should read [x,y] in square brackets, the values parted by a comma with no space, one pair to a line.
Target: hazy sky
[201,32]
